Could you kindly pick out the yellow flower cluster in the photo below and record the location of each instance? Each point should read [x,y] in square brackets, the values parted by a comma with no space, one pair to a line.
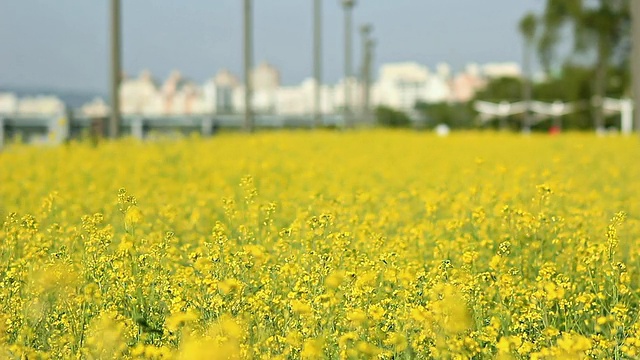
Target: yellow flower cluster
[310,245]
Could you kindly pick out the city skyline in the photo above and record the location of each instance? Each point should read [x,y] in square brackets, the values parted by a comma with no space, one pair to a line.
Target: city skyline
[45,49]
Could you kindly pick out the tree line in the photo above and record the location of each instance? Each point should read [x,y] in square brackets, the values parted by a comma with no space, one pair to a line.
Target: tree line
[583,48]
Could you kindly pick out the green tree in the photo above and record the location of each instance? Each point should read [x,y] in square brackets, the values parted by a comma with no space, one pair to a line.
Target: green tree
[571,85]
[528,27]
[600,37]
[454,115]
[501,89]
[389,117]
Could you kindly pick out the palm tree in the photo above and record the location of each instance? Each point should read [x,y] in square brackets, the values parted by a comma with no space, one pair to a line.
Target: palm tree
[528,26]
[599,31]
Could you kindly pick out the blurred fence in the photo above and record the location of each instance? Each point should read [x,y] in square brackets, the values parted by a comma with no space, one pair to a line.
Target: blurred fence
[58,128]
[542,111]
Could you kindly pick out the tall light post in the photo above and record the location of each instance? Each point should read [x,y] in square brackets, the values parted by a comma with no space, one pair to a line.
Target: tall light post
[348,34]
[317,61]
[371,45]
[116,69]
[365,32]
[635,60]
[248,64]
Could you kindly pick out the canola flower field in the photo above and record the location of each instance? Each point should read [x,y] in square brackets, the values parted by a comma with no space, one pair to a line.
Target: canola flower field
[311,245]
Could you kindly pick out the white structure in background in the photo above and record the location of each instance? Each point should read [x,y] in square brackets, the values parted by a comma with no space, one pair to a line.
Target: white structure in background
[442,130]
[176,96]
[298,100]
[541,110]
[96,108]
[265,79]
[291,100]
[474,77]
[554,109]
[8,103]
[489,110]
[218,92]
[35,112]
[140,95]
[465,85]
[402,85]
[443,70]
[625,108]
[30,105]
[505,69]
[181,96]
[337,95]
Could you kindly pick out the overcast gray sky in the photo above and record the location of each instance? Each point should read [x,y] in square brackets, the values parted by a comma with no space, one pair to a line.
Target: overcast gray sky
[64,43]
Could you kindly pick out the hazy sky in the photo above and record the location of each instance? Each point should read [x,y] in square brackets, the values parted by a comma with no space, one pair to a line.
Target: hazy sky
[64,43]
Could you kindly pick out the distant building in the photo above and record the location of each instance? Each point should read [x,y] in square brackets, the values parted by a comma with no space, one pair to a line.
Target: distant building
[176,96]
[31,105]
[399,85]
[40,105]
[465,85]
[443,70]
[97,108]
[180,96]
[337,95]
[218,93]
[8,103]
[140,95]
[505,69]
[402,85]
[265,79]
[437,89]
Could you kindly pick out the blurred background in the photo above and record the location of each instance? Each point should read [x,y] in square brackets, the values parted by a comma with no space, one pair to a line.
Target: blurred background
[530,65]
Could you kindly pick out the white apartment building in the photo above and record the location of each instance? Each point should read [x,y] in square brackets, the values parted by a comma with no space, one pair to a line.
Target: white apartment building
[218,92]
[504,69]
[31,105]
[96,108]
[8,103]
[140,95]
[402,85]
[399,85]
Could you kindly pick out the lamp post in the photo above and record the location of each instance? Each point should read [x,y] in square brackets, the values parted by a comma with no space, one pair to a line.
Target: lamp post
[371,45]
[248,64]
[317,61]
[116,72]
[365,76]
[348,10]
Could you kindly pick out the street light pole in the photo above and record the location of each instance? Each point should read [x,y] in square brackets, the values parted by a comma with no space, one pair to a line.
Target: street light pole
[526,90]
[348,33]
[365,31]
[371,45]
[635,60]
[317,61]
[116,72]
[248,64]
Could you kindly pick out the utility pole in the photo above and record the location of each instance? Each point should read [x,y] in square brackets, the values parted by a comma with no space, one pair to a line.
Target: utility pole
[526,89]
[635,60]
[248,64]
[317,62]
[365,76]
[371,45]
[348,33]
[116,69]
